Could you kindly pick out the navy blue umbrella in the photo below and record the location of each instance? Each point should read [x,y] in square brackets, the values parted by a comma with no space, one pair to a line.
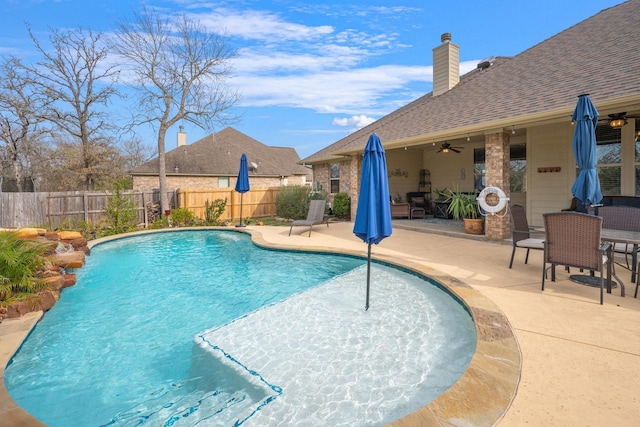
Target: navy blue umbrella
[373,214]
[586,188]
[242,184]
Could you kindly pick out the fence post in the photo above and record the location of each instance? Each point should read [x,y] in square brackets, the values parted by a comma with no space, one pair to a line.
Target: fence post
[145,218]
[85,203]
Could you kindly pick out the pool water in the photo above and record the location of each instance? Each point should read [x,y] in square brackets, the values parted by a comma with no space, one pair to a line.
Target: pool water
[118,348]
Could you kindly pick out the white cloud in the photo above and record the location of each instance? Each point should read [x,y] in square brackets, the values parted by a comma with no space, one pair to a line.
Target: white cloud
[348,91]
[373,90]
[259,25]
[320,68]
[357,121]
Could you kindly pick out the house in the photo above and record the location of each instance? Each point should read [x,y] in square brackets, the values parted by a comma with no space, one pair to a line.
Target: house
[508,124]
[213,162]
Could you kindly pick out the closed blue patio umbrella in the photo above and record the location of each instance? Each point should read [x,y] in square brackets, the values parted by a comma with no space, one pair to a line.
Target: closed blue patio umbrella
[242,184]
[586,188]
[373,213]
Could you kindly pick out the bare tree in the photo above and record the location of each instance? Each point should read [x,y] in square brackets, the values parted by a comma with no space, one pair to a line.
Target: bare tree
[75,84]
[136,152]
[18,120]
[180,71]
[62,165]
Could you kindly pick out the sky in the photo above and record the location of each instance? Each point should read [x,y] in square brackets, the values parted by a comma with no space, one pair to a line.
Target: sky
[311,72]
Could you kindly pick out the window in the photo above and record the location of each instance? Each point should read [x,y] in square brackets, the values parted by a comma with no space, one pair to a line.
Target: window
[517,165]
[478,169]
[518,168]
[223,181]
[609,154]
[335,178]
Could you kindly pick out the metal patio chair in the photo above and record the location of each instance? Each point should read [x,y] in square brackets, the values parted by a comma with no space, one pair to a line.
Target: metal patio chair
[314,216]
[626,218]
[521,233]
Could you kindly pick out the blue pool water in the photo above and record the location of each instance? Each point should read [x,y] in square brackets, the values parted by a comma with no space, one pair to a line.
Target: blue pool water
[118,348]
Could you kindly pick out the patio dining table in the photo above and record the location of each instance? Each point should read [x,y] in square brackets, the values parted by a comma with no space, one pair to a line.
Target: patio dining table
[626,237]
[613,236]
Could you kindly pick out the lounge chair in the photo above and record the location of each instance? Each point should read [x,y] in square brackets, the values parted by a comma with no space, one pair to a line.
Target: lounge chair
[520,233]
[573,239]
[314,216]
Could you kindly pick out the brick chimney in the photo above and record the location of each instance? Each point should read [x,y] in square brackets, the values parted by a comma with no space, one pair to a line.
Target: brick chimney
[446,65]
[182,137]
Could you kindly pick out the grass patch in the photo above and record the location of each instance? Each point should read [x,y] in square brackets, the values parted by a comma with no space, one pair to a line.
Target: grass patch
[271,220]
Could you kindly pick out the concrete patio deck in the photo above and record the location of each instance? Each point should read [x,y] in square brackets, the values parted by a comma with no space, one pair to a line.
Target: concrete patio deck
[579,359]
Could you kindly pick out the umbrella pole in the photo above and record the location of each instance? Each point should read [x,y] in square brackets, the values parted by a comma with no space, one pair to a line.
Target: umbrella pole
[240,225]
[366,307]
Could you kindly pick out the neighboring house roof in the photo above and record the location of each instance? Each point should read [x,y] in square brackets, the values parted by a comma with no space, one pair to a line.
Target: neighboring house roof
[599,56]
[219,154]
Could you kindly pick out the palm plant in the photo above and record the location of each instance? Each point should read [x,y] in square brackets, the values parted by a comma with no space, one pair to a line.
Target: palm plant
[463,205]
[20,262]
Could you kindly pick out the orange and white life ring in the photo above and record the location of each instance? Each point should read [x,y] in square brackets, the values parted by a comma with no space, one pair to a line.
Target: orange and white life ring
[492,209]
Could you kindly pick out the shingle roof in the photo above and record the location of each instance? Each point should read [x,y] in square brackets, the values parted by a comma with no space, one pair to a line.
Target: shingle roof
[599,56]
[219,154]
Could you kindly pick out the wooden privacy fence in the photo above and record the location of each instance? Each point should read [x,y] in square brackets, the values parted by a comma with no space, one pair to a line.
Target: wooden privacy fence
[256,203]
[50,209]
[53,208]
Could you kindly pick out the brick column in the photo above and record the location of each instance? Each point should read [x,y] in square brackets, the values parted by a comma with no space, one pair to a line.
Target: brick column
[355,172]
[497,160]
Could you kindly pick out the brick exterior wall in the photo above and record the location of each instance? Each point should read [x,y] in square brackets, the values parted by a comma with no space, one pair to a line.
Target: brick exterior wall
[345,176]
[355,166]
[497,160]
[322,174]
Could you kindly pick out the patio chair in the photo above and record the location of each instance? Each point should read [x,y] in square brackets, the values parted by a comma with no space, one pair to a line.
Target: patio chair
[626,218]
[573,239]
[314,216]
[400,210]
[521,233]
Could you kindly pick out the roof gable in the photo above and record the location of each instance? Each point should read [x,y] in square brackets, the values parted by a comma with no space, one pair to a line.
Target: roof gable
[219,154]
[599,56]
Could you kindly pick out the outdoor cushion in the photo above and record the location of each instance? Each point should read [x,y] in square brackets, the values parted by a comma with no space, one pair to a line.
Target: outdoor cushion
[623,248]
[531,243]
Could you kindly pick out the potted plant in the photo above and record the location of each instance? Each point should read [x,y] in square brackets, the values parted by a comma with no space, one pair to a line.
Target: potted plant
[465,206]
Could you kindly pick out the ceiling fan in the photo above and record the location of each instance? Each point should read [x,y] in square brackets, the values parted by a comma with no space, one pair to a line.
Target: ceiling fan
[617,120]
[446,147]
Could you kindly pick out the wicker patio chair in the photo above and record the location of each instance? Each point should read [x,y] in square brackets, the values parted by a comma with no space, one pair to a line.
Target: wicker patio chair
[625,218]
[314,216]
[572,239]
[521,233]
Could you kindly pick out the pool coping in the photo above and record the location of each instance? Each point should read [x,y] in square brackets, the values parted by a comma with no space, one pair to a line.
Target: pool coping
[480,397]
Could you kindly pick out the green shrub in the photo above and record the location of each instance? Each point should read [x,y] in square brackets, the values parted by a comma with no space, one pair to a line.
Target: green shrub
[160,223]
[20,261]
[120,211]
[342,205]
[213,211]
[292,202]
[182,217]
[91,230]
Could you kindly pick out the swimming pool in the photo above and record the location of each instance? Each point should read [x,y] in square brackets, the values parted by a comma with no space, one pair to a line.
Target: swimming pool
[181,283]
